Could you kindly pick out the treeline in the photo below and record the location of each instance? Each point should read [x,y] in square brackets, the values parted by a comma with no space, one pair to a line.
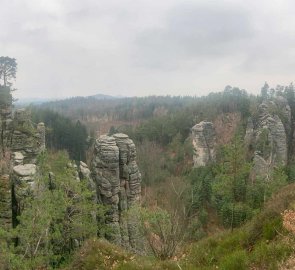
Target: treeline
[62,133]
[142,108]
[180,120]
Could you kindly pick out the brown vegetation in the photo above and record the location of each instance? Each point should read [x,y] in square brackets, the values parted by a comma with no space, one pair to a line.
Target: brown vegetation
[226,126]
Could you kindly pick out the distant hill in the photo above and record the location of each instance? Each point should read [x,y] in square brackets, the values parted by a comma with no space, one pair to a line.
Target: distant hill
[37,101]
[28,101]
[102,96]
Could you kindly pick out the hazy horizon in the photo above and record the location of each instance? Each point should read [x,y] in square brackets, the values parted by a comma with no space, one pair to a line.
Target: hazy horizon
[140,48]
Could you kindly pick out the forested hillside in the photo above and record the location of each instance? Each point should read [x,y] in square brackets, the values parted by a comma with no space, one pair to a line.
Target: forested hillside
[184,179]
[149,135]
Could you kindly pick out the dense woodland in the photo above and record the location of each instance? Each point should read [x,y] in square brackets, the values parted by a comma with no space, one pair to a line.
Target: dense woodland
[205,218]
[62,132]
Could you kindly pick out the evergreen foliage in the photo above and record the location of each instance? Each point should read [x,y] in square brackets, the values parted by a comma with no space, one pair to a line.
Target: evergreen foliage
[8,68]
[55,220]
[48,234]
[62,133]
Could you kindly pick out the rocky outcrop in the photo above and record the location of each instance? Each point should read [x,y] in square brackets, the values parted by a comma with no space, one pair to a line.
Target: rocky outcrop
[267,136]
[27,142]
[284,110]
[23,183]
[204,143]
[130,188]
[27,138]
[21,143]
[118,179]
[6,127]
[41,136]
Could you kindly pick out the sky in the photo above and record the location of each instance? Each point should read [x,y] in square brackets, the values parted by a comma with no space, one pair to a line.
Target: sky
[70,48]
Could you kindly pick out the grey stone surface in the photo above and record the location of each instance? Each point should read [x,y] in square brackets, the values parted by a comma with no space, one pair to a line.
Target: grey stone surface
[41,135]
[84,170]
[18,158]
[204,143]
[25,141]
[27,137]
[25,170]
[267,136]
[118,181]
[6,127]
[261,167]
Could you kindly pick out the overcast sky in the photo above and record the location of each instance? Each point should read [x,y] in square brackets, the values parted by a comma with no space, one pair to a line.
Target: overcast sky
[146,47]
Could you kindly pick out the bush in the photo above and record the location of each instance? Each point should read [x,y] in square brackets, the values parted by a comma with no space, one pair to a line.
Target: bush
[234,261]
[100,254]
[164,232]
[267,255]
[271,228]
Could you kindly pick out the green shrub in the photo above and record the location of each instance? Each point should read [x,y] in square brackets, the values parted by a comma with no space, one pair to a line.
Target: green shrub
[267,255]
[234,261]
[271,228]
[203,253]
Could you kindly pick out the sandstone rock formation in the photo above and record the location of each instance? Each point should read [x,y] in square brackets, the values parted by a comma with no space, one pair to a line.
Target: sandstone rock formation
[6,126]
[285,111]
[27,142]
[27,138]
[267,135]
[204,143]
[115,183]
[21,142]
[114,178]
[118,179]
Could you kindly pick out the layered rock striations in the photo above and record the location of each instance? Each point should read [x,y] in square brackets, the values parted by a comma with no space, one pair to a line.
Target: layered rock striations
[27,137]
[118,181]
[204,143]
[28,141]
[21,143]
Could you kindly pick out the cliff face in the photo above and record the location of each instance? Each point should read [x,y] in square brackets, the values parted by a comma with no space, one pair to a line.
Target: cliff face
[204,143]
[267,135]
[21,142]
[118,179]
